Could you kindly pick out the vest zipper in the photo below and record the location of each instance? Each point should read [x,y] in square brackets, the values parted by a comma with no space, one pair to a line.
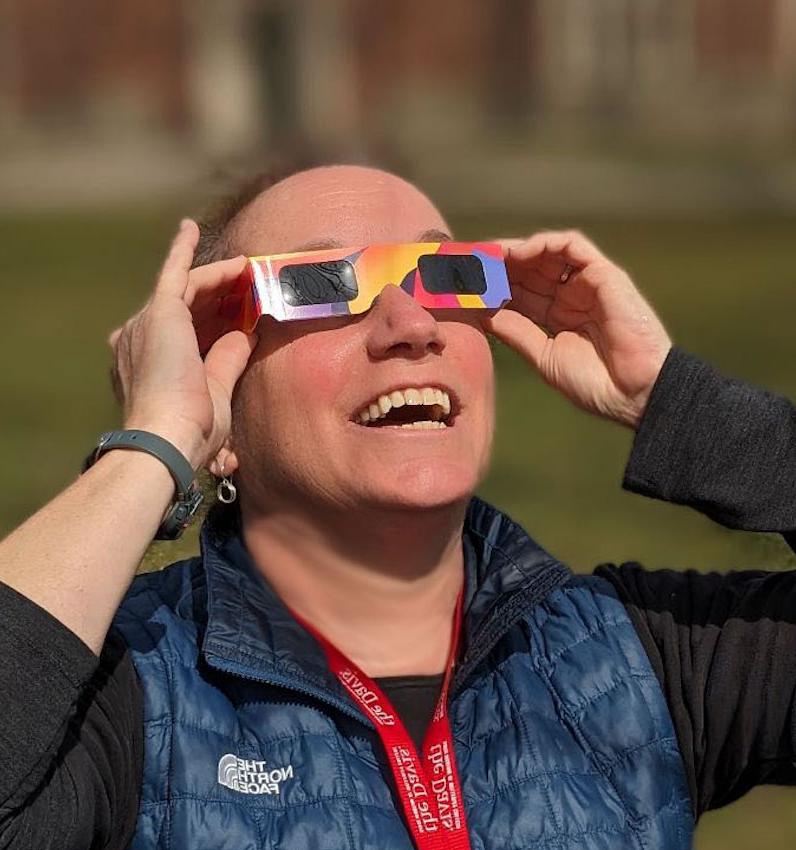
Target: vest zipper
[500,620]
[503,617]
[286,682]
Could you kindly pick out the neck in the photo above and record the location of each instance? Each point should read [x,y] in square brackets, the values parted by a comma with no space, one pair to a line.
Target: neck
[381,586]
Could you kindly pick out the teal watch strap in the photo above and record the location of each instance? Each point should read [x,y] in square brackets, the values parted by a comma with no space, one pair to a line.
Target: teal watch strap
[188,496]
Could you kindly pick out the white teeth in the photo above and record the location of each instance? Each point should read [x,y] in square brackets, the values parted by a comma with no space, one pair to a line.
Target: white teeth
[424,425]
[436,399]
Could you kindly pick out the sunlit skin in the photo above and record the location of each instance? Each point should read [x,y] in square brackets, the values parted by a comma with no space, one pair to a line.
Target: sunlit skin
[359,530]
[357,526]
[307,380]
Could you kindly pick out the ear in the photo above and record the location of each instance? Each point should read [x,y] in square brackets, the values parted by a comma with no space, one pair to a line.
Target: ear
[225,459]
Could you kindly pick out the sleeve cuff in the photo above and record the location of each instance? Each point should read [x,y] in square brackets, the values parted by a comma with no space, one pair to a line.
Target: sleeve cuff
[718,444]
[678,399]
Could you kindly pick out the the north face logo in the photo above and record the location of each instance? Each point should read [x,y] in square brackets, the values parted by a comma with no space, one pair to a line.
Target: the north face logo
[251,776]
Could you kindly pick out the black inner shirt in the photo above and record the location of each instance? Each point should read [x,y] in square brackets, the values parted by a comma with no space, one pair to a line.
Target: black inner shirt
[414,698]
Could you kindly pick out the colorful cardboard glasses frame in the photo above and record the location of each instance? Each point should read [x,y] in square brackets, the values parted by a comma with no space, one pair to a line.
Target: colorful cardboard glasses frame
[345,281]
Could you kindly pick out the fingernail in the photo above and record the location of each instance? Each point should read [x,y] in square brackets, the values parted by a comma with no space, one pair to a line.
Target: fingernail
[185,222]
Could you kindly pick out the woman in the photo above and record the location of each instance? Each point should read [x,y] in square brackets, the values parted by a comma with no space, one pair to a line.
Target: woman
[257,696]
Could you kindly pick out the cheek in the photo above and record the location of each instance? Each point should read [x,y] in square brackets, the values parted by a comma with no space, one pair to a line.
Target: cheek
[316,372]
[469,348]
[285,404]
[303,382]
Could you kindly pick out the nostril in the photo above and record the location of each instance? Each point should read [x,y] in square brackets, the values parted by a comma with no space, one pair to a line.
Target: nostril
[417,347]
[400,326]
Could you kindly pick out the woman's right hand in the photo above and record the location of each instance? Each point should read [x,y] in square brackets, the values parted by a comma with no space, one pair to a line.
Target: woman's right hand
[159,375]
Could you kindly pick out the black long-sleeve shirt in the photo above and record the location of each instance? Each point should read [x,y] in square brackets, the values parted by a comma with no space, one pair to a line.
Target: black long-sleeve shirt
[722,645]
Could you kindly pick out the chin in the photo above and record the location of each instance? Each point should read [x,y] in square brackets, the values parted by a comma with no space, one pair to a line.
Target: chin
[421,486]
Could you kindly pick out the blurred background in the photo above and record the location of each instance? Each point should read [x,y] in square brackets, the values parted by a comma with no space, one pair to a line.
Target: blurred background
[665,129]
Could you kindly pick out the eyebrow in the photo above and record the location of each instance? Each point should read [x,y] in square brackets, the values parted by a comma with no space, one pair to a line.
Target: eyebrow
[328,244]
[434,236]
[316,245]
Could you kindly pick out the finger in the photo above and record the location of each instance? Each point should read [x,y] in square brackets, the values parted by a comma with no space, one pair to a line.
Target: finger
[556,312]
[520,333]
[213,276]
[554,254]
[228,357]
[537,276]
[113,337]
[531,305]
[211,328]
[117,336]
[524,255]
[572,245]
[529,262]
[546,311]
[528,248]
[173,278]
[508,244]
[117,387]
[525,250]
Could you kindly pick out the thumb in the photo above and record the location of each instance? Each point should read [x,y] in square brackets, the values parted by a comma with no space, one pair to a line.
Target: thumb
[227,358]
[519,333]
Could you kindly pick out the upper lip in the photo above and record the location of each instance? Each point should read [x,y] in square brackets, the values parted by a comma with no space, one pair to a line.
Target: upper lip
[405,385]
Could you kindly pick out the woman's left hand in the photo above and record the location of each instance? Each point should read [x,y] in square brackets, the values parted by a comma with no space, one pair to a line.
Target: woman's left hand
[580,321]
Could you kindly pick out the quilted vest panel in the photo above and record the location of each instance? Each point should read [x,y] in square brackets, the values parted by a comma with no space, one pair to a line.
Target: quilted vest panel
[562,735]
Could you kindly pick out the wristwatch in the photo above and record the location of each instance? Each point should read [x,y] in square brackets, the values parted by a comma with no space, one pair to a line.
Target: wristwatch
[187,497]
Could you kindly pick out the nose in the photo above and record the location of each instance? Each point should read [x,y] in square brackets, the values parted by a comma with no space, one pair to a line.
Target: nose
[400,326]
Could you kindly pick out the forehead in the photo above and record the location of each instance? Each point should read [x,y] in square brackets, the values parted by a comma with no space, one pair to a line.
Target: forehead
[347,205]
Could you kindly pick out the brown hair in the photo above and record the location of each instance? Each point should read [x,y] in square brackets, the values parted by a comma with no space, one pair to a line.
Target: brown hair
[214,223]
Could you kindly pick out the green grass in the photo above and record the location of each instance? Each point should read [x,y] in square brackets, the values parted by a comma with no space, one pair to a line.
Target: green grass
[725,289]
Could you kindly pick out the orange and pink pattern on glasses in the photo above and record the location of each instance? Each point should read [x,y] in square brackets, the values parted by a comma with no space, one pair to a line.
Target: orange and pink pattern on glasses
[374,267]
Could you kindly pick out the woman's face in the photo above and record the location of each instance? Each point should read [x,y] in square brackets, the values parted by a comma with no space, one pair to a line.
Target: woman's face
[297,430]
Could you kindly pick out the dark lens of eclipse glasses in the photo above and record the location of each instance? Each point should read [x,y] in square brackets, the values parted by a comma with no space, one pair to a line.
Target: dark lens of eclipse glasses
[451,274]
[318,283]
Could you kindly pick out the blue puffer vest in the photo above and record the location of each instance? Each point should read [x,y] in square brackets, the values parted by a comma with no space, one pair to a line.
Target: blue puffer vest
[562,733]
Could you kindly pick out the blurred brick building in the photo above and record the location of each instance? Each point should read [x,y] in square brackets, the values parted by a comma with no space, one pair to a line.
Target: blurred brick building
[224,78]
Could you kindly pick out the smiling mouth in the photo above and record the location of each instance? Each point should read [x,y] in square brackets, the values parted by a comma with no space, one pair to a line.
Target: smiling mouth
[421,408]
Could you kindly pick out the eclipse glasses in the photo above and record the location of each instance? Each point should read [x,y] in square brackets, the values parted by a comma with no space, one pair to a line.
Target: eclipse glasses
[346,281]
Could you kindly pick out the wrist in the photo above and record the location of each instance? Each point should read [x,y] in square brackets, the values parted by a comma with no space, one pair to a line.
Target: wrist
[185,437]
[636,406]
[633,412]
[187,495]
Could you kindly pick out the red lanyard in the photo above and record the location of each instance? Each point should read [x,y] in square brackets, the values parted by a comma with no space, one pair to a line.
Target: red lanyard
[430,790]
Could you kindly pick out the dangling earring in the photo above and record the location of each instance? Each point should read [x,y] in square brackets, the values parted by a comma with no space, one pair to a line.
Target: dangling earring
[226,491]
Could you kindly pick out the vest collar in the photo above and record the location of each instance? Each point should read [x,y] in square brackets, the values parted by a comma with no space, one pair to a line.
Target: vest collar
[251,633]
